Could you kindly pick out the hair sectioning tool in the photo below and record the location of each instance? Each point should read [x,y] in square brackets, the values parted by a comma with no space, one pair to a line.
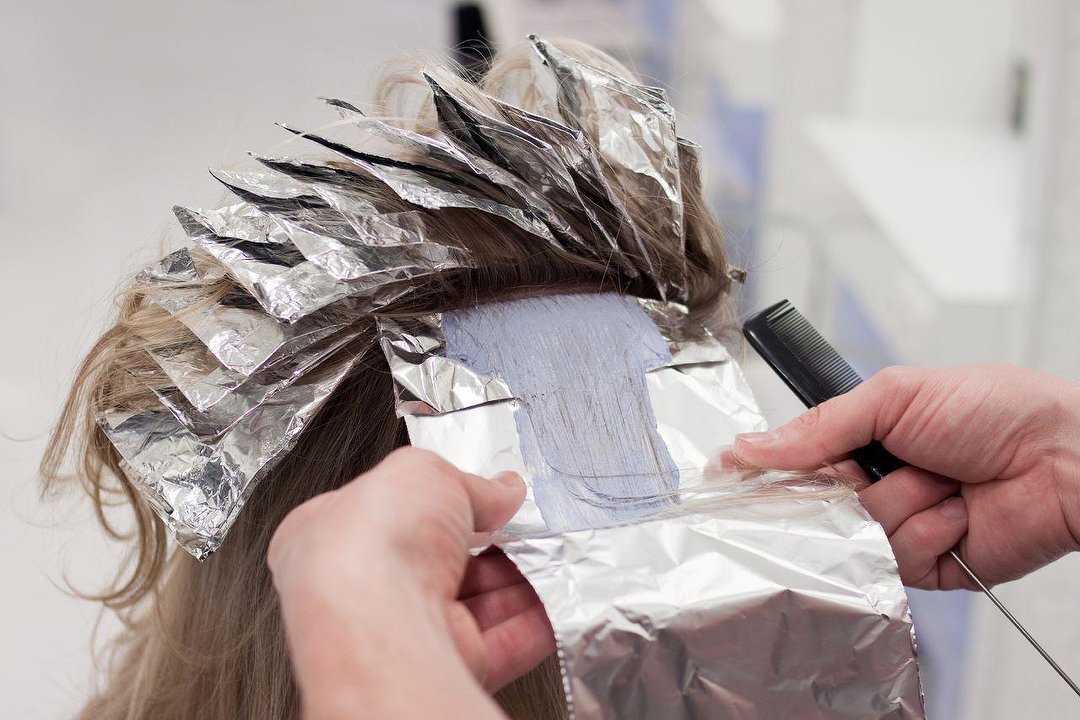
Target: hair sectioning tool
[815,372]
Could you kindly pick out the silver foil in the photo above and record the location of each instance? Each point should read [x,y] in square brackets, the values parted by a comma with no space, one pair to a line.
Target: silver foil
[210,423]
[783,608]
[741,600]
[198,486]
[636,128]
[470,419]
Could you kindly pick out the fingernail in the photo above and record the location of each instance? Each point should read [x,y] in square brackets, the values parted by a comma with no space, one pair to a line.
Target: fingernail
[758,439]
[725,458]
[954,508]
[507,478]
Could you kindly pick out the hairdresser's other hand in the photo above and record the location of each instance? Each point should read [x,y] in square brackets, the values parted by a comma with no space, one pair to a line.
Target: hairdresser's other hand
[999,452]
[385,613]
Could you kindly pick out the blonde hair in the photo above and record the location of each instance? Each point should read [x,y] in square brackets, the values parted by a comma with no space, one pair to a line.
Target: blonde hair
[205,639]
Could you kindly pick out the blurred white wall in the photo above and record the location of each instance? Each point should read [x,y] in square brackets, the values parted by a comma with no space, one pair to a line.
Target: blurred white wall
[1006,678]
[927,60]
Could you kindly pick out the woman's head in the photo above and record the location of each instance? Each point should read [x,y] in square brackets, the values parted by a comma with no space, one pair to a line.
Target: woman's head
[204,639]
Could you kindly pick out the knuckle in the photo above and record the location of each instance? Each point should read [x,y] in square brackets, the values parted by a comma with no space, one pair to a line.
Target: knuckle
[417,460]
[922,533]
[893,377]
[913,573]
[813,418]
[290,527]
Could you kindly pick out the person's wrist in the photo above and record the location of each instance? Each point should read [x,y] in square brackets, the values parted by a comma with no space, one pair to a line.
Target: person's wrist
[1063,458]
[345,628]
[362,664]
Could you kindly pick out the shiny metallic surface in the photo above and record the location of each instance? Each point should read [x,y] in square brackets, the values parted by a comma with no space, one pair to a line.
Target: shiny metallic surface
[199,486]
[426,382]
[636,129]
[788,607]
[761,597]
[700,400]
[211,422]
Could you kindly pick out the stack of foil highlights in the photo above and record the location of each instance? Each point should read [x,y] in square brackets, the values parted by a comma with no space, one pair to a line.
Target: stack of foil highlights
[315,244]
[675,590]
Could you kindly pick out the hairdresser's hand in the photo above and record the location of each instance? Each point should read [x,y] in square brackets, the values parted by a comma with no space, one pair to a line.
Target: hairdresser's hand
[385,614]
[999,449]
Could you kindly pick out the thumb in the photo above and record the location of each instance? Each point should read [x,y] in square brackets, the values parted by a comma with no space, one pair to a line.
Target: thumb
[494,501]
[834,428]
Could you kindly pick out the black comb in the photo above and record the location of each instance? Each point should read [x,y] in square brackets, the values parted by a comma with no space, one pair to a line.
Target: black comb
[814,371]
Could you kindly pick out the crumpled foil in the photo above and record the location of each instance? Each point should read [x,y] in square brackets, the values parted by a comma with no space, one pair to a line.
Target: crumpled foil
[198,486]
[284,276]
[782,608]
[636,127]
[726,605]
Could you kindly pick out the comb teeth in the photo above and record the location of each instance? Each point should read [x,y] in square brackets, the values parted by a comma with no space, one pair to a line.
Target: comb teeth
[812,369]
[806,342]
[797,351]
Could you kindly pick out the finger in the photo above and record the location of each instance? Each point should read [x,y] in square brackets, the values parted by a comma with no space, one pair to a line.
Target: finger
[923,538]
[488,571]
[904,493]
[469,641]
[497,606]
[493,501]
[517,645]
[848,471]
[834,428]
[951,576]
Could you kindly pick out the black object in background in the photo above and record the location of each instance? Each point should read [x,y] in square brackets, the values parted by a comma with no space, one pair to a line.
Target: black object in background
[472,48]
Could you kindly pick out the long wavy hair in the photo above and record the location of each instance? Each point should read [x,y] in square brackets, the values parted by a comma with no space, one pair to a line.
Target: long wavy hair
[205,639]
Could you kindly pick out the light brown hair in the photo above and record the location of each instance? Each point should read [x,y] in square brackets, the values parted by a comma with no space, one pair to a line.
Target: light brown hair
[205,639]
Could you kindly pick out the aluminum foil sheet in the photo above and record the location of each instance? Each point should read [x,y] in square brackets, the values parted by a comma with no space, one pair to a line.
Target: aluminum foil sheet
[472,419]
[736,599]
[781,608]
[426,187]
[198,487]
[211,423]
[636,128]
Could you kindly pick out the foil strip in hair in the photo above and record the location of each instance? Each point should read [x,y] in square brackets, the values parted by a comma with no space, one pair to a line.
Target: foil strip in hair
[420,372]
[636,130]
[209,424]
[198,487]
[240,337]
[444,402]
[423,187]
[602,206]
[541,178]
[734,598]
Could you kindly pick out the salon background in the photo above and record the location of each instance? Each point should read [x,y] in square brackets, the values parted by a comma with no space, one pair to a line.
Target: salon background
[907,173]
